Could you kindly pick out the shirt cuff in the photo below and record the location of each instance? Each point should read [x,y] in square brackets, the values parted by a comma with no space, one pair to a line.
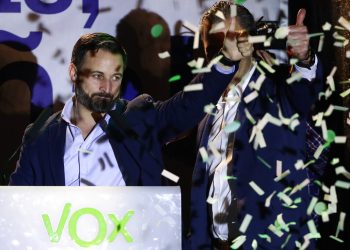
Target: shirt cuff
[308,73]
[225,70]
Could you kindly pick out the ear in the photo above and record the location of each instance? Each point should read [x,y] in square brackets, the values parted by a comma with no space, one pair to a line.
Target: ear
[72,70]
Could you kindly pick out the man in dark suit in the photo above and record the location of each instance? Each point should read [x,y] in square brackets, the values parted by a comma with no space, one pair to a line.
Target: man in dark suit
[249,180]
[99,139]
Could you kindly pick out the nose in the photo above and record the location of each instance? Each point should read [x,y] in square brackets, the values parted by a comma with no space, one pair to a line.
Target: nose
[105,85]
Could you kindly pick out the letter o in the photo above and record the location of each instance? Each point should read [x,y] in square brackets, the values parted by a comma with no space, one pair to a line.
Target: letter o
[101,223]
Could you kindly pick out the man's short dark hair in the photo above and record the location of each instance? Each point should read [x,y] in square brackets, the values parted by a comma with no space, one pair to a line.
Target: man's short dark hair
[245,18]
[93,42]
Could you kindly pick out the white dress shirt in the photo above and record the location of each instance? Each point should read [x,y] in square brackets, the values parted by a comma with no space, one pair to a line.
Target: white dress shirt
[90,161]
[218,140]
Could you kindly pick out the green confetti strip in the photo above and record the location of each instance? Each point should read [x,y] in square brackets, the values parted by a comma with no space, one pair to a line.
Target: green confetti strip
[232,127]
[336,238]
[230,177]
[264,162]
[175,78]
[286,241]
[265,236]
[239,2]
[156,30]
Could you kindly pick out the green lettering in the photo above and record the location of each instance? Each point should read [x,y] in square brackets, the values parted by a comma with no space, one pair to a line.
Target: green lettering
[120,227]
[101,223]
[56,236]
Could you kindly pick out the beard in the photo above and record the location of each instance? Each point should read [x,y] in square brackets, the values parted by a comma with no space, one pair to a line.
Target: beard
[99,102]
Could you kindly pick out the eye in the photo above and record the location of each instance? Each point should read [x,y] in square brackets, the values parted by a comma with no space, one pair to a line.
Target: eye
[116,78]
[98,76]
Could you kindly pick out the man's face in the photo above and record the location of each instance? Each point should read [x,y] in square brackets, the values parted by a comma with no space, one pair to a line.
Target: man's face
[224,39]
[99,80]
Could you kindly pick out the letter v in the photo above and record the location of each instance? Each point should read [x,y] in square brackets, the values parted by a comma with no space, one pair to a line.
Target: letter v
[56,236]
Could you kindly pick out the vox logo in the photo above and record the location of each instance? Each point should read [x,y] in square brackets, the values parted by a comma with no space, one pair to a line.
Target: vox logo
[119,226]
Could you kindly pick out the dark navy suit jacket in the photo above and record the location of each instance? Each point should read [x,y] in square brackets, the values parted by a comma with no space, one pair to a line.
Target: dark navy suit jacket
[282,144]
[136,141]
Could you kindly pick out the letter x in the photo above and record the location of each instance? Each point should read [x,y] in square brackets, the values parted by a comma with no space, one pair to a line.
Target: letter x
[120,227]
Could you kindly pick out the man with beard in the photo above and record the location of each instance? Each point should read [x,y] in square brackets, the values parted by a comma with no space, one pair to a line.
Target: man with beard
[100,139]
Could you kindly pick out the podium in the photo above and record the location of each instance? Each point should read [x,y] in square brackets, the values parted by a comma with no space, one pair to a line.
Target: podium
[57,218]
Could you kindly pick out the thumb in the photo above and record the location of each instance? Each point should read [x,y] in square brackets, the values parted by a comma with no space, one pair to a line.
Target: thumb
[300,17]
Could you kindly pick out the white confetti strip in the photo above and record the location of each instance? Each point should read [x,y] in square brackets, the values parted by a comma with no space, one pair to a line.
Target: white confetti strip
[238,242]
[190,26]
[245,223]
[285,198]
[295,77]
[281,32]
[341,170]
[170,176]
[340,139]
[282,175]
[327,26]
[251,97]
[311,206]
[220,15]
[256,188]
[193,87]
[344,23]
[267,67]
[211,200]
[275,230]
[256,39]
[268,199]
[164,55]
[233,10]
[204,154]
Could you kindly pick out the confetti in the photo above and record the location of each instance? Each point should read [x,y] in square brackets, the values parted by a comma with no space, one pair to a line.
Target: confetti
[193,87]
[209,109]
[296,76]
[278,168]
[214,150]
[175,78]
[232,127]
[220,15]
[164,55]
[170,175]
[342,184]
[345,93]
[300,186]
[311,206]
[245,223]
[257,85]
[233,10]
[196,40]
[268,199]
[312,228]
[281,32]
[256,39]
[335,161]
[285,198]
[251,97]
[283,175]
[156,30]
[340,139]
[347,54]
[286,241]
[275,230]
[336,238]
[315,34]
[211,200]
[320,207]
[344,23]
[254,244]
[264,162]
[204,154]
[199,63]
[190,26]
[217,28]
[341,170]
[268,41]
[320,44]
[249,116]
[327,26]
[256,188]
[238,242]
[325,216]
[265,236]
[267,67]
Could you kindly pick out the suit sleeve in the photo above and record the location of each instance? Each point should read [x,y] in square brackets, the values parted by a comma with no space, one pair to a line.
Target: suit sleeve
[186,109]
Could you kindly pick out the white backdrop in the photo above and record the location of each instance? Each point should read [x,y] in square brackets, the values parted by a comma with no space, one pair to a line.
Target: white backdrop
[61,30]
